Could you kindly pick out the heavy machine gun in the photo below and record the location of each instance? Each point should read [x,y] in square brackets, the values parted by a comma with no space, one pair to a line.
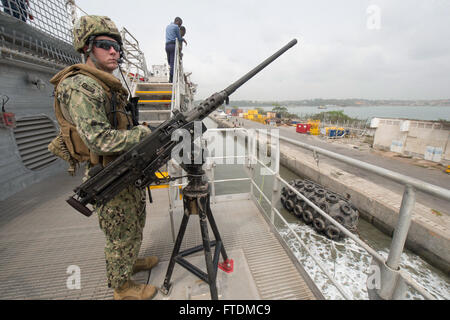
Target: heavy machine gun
[138,165]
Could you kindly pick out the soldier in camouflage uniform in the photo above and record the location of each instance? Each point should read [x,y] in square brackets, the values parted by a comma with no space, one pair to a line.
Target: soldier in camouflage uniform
[95,128]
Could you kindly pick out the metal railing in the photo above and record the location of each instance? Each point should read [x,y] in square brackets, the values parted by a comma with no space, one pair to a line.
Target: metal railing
[183,89]
[49,16]
[393,279]
[16,44]
[179,87]
[392,276]
[23,42]
[134,64]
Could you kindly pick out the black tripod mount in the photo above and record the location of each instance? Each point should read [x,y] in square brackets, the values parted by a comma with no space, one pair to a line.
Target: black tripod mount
[196,201]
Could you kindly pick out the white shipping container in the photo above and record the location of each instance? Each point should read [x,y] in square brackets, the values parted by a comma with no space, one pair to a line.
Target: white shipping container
[375,122]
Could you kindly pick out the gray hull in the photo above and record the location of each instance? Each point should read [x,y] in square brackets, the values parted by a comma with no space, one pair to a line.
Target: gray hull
[28,60]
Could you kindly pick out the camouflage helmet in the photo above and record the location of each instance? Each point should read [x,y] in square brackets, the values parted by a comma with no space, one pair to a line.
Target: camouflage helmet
[88,26]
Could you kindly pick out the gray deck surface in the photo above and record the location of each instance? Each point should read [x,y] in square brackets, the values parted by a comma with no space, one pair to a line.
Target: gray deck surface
[41,236]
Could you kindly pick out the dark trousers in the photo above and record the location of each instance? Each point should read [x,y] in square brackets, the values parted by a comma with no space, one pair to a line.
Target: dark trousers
[170,50]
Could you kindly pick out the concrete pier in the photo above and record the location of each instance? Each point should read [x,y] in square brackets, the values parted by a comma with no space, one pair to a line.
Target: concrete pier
[429,234]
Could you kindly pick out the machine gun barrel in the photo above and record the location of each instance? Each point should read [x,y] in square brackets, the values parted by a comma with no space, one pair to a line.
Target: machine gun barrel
[138,165]
[234,86]
[217,99]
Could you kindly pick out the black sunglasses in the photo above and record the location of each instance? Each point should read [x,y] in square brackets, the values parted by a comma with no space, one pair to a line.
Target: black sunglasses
[107,44]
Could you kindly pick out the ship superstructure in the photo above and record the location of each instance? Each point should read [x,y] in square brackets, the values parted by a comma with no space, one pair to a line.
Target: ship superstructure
[35,43]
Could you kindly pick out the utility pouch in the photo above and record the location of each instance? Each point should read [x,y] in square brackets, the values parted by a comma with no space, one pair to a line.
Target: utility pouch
[58,147]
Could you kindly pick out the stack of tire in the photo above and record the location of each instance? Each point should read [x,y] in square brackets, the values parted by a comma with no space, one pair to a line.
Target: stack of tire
[336,206]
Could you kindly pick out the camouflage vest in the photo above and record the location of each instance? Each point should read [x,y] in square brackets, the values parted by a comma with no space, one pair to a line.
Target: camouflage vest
[68,144]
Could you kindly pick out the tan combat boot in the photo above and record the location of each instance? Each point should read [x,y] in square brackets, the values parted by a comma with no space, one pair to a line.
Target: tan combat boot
[134,291]
[146,263]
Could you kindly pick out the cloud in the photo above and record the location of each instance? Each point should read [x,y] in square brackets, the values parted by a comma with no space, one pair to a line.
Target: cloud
[337,55]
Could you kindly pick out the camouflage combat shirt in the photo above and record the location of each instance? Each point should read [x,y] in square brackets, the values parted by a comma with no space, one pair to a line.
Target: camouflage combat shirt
[84,103]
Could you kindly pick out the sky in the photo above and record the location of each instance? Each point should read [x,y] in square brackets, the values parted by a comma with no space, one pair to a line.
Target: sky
[377,49]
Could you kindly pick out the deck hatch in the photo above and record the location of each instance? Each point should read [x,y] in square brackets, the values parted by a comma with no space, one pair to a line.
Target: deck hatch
[32,135]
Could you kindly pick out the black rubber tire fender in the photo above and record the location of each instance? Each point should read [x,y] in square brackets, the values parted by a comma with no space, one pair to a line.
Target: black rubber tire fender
[324,206]
[319,224]
[298,210]
[320,193]
[340,220]
[283,201]
[346,209]
[332,198]
[299,183]
[301,203]
[332,232]
[290,205]
[307,216]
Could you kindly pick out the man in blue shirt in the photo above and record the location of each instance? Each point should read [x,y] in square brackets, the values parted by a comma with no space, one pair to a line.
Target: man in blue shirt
[172,33]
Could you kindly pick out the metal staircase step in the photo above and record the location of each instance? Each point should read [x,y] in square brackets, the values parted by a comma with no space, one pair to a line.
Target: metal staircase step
[151,86]
[153,93]
[154,111]
[155,101]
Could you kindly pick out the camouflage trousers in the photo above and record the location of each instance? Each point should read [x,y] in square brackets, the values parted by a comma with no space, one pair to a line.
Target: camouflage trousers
[122,220]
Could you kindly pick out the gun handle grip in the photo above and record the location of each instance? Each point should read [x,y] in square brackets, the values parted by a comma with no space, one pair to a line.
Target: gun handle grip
[79,207]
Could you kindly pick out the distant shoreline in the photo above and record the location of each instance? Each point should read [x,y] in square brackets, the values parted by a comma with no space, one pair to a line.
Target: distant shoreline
[342,103]
[430,113]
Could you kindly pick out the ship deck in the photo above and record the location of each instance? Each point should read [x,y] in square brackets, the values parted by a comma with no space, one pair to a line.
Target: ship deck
[42,237]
